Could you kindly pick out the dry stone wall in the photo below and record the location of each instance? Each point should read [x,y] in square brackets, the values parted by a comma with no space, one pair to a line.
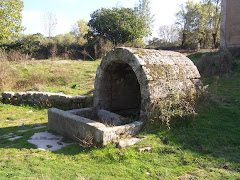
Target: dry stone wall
[46,99]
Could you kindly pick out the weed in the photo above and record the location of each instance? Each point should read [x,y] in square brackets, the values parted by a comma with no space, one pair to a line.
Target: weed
[175,105]
[87,141]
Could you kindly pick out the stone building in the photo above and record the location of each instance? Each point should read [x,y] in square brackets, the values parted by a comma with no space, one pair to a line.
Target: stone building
[230,24]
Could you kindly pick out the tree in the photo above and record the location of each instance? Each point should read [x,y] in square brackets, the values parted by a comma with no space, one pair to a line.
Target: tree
[200,22]
[30,43]
[168,33]
[50,23]
[65,39]
[79,30]
[189,18]
[145,18]
[116,24]
[10,19]
[121,25]
[213,8]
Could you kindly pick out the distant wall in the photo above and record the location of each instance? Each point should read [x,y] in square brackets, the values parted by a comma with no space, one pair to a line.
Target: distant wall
[230,23]
[46,99]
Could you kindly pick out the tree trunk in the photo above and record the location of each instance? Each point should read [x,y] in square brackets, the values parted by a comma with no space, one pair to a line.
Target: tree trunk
[214,35]
[183,40]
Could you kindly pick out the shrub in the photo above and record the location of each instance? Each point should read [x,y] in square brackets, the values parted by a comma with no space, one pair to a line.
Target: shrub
[219,63]
[175,105]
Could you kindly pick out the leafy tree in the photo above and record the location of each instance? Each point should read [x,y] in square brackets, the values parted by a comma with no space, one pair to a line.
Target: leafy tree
[121,25]
[114,24]
[30,43]
[213,13]
[79,30]
[200,22]
[145,18]
[10,19]
[189,18]
[65,39]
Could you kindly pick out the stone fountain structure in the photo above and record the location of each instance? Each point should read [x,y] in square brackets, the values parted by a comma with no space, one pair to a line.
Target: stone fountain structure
[128,83]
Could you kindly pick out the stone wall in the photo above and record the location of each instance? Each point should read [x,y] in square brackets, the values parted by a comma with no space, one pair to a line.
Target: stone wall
[230,24]
[46,99]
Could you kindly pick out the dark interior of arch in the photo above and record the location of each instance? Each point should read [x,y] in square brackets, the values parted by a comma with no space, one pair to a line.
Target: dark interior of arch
[120,90]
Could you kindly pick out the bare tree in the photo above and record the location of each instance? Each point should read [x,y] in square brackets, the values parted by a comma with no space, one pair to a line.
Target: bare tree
[168,33]
[50,23]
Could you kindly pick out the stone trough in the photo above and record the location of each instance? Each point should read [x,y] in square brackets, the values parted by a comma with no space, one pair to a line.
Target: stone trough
[85,124]
[128,83]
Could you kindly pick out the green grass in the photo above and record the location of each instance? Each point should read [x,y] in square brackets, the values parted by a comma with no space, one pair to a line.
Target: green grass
[70,77]
[207,147]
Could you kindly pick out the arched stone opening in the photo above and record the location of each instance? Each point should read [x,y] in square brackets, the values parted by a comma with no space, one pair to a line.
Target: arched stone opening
[132,81]
[119,90]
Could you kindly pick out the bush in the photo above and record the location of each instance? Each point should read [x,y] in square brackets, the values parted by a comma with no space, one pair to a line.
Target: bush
[175,105]
[219,63]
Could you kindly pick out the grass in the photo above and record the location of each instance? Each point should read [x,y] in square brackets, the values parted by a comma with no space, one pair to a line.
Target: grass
[206,148]
[68,77]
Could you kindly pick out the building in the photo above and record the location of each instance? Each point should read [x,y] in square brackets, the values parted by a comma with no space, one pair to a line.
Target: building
[230,24]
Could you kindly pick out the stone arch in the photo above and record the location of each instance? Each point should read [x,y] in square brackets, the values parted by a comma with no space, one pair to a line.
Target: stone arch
[132,80]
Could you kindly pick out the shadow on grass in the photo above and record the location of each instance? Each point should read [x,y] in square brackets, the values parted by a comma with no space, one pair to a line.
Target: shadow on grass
[43,106]
[16,131]
[21,143]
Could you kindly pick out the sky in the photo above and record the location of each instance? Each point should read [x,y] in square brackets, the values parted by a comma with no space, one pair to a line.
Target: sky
[68,12]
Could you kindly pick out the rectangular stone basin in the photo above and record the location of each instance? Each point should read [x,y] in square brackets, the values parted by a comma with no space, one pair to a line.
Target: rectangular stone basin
[80,123]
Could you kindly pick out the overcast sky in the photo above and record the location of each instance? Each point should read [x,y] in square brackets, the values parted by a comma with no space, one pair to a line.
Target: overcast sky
[69,11]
